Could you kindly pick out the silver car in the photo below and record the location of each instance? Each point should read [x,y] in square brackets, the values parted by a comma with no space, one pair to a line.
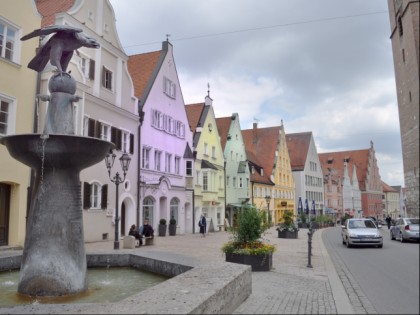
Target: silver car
[405,229]
[361,232]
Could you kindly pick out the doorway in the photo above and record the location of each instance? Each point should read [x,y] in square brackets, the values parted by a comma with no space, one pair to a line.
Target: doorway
[4,213]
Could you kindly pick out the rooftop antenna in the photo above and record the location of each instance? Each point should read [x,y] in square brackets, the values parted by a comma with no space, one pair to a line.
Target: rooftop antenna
[167,37]
[208,89]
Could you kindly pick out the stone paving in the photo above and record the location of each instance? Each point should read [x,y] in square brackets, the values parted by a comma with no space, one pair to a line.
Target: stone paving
[291,287]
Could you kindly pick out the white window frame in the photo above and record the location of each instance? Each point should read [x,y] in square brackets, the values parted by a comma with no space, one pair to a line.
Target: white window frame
[95,195]
[206,181]
[85,130]
[189,168]
[157,160]
[107,78]
[168,162]
[105,131]
[6,39]
[10,121]
[146,157]
[125,141]
[174,208]
[177,165]
[169,88]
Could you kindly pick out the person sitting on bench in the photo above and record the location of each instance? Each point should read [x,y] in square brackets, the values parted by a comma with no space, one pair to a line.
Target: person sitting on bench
[134,232]
[147,230]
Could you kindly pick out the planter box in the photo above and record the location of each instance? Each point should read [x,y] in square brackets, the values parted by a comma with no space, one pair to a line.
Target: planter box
[257,262]
[172,229]
[162,230]
[287,234]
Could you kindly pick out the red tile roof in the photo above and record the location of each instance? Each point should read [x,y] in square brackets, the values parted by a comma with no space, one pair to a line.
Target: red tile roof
[141,67]
[261,145]
[298,146]
[223,126]
[387,188]
[49,8]
[358,158]
[194,113]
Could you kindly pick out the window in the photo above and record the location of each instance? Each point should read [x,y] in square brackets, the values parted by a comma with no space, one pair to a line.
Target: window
[148,206]
[106,78]
[146,158]
[105,132]
[177,165]
[188,168]
[227,181]
[168,160]
[125,141]
[8,40]
[206,149]
[158,155]
[85,131]
[95,196]
[4,116]
[169,87]
[173,209]
[234,182]
[240,182]
[180,129]
[205,181]
[213,152]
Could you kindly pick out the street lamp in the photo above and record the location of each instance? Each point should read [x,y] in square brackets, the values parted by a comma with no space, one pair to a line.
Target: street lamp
[268,199]
[125,163]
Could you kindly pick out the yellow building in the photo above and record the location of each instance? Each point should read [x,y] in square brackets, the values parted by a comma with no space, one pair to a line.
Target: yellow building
[17,110]
[272,183]
[209,186]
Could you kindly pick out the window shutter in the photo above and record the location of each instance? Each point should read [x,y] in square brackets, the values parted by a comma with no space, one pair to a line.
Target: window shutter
[118,143]
[92,69]
[86,195]
[104,196]
[91,128]
[98,129]
[114,134]
[131,143]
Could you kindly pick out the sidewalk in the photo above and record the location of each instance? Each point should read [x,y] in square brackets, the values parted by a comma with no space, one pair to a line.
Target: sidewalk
[289,288]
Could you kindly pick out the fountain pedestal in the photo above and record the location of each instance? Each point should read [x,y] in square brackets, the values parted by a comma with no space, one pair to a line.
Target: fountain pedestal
[54,259]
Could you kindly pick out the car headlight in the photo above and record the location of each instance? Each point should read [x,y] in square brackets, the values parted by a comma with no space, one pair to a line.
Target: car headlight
[352,235]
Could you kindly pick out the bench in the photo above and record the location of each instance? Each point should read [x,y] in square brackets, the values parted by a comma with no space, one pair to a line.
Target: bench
[130,242]
[148,240]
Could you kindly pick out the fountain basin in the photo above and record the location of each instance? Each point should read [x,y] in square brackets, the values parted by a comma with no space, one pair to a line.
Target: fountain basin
[194,288]
[54,258]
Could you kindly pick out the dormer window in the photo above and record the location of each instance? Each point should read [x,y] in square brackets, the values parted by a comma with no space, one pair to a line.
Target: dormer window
[210,127]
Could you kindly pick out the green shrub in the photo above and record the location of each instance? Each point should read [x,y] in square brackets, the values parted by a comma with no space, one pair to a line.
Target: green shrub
[162,221]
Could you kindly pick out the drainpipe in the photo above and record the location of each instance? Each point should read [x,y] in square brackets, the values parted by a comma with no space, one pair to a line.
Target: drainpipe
[141,119]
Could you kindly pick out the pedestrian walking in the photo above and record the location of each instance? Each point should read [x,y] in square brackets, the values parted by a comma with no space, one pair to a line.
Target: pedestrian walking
[203,225]
[388,221]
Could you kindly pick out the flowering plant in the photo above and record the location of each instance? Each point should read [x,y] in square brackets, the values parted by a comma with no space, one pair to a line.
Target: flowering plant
[247,234]
[288,224]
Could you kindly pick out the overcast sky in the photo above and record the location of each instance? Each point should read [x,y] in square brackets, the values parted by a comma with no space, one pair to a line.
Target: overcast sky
[323,66]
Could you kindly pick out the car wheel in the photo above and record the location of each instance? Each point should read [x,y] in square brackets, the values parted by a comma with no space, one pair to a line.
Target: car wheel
[348,243]
[380,246]
[392,236]
[344,242]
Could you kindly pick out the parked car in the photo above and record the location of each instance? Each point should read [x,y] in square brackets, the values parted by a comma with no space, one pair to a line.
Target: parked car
[405,229]
[361,232]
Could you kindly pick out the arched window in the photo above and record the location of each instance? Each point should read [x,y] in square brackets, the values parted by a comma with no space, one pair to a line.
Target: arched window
[148,205]
[174,209]
[95,196]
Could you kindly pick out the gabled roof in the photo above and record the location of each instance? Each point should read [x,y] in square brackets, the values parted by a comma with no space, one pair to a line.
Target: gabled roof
[143,70]
[223,126]
[49,8]
[261,145]
[387,188]
[194,112]
[358,158]
[298,146]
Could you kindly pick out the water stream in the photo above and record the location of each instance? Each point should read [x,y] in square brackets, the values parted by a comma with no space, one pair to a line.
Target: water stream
[104,285]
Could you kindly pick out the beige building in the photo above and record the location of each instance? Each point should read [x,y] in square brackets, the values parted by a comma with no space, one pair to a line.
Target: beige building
[404,18]
[390,201]
[17,108]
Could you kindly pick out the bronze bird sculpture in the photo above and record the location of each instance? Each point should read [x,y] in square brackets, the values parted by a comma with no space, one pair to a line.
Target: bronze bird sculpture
[60,47]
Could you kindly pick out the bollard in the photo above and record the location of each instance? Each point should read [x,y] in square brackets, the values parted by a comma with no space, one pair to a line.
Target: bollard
[309,247]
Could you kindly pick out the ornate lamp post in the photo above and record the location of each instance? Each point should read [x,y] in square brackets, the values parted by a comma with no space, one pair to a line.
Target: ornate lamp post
[125,163]
[268,199]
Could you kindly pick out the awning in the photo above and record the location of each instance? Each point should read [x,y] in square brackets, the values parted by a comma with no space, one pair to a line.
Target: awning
[207,164]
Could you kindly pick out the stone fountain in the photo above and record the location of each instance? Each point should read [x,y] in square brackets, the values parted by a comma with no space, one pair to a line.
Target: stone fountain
[54,258]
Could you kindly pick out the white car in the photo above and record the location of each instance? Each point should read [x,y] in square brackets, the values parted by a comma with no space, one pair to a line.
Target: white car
[361,232]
